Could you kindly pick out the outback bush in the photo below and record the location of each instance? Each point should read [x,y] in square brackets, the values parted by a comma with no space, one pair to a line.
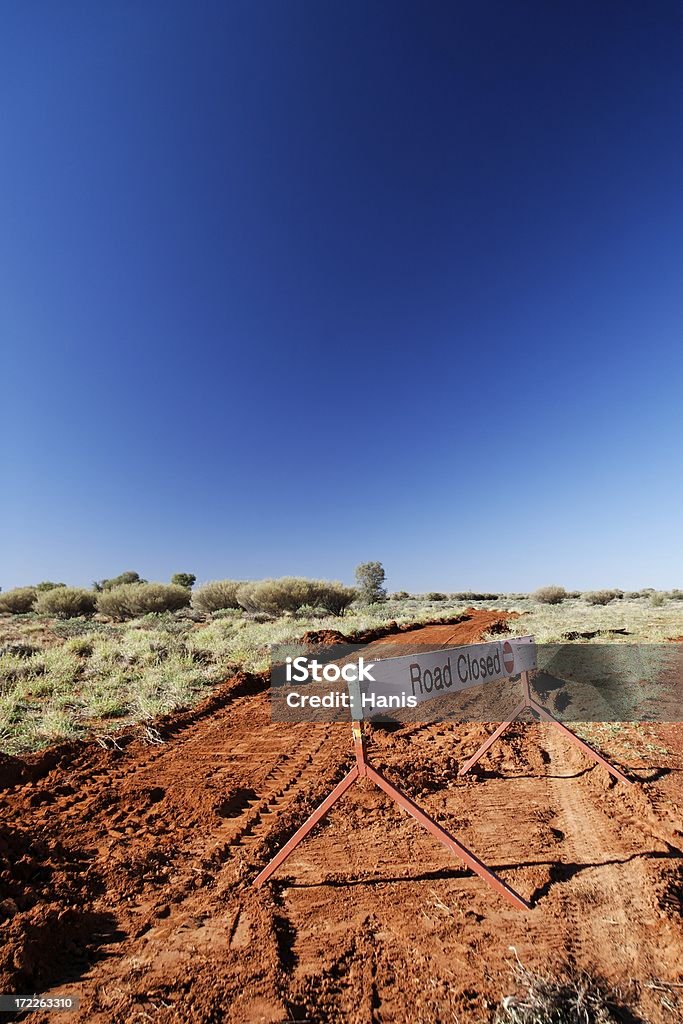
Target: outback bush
[472,595]
[48,585]
[216,595]
[66,602]
[290,593]
[435,595]
[400,595]
[132,599]
[18,601]
[118,581]
[274,597]
[675,595]
[657,600]
[334,597]
[601,596]
[550,595]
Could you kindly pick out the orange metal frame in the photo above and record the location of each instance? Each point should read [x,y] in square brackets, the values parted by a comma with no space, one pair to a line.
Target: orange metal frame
[363,770]
[531,704]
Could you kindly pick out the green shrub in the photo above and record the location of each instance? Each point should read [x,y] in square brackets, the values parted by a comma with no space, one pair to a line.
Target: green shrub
[675,595]
[184,579]
[335,597]
[48,585]
[400,595]
[216,595]
[275,597]
[550,595]
[290,593]
[472,595]
[18,601]
[657,600]
[132,599]
[66,602]
[601,596]
[435,595]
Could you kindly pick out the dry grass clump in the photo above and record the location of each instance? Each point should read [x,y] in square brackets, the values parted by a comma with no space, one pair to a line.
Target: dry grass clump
[573,998]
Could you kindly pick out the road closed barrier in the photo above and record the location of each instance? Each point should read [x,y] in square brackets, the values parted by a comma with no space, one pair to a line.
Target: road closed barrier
[412,679]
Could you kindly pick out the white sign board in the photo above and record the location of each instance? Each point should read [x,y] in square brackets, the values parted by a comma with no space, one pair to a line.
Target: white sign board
[437,673]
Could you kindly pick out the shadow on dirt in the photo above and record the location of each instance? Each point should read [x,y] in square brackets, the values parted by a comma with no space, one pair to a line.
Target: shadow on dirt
[57,946]
[558,872]
[483,773]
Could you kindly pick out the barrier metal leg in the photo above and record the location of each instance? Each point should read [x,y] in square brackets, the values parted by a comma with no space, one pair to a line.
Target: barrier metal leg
[492,739]
[362,769]
[310,823]
[578,742]
[447,839]
[545,716]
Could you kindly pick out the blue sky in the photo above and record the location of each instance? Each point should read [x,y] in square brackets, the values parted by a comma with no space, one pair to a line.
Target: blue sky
[286,286]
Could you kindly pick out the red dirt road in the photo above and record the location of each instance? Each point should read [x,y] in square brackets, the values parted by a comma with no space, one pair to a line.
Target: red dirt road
[126,874]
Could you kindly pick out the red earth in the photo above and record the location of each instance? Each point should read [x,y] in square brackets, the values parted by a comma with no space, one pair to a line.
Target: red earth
[125,874]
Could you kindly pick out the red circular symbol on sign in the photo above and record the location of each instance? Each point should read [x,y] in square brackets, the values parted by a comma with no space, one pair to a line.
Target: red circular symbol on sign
[508,657]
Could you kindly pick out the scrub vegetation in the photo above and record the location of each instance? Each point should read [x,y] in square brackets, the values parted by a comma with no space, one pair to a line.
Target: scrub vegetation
[75,662]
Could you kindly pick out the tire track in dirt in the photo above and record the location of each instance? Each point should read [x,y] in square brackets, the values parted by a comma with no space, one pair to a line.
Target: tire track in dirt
[156,863]
[621,854]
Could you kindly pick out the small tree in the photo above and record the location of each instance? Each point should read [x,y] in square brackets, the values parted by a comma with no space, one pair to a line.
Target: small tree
[370,578]
[184,579]
[46,585]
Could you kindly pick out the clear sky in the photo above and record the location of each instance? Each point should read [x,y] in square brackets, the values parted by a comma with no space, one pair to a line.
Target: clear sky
[288,285]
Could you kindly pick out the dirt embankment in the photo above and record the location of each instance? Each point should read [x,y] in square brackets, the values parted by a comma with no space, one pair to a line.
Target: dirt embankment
[126,873]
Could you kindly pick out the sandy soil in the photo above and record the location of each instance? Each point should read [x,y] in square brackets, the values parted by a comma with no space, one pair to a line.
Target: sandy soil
[125,874]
